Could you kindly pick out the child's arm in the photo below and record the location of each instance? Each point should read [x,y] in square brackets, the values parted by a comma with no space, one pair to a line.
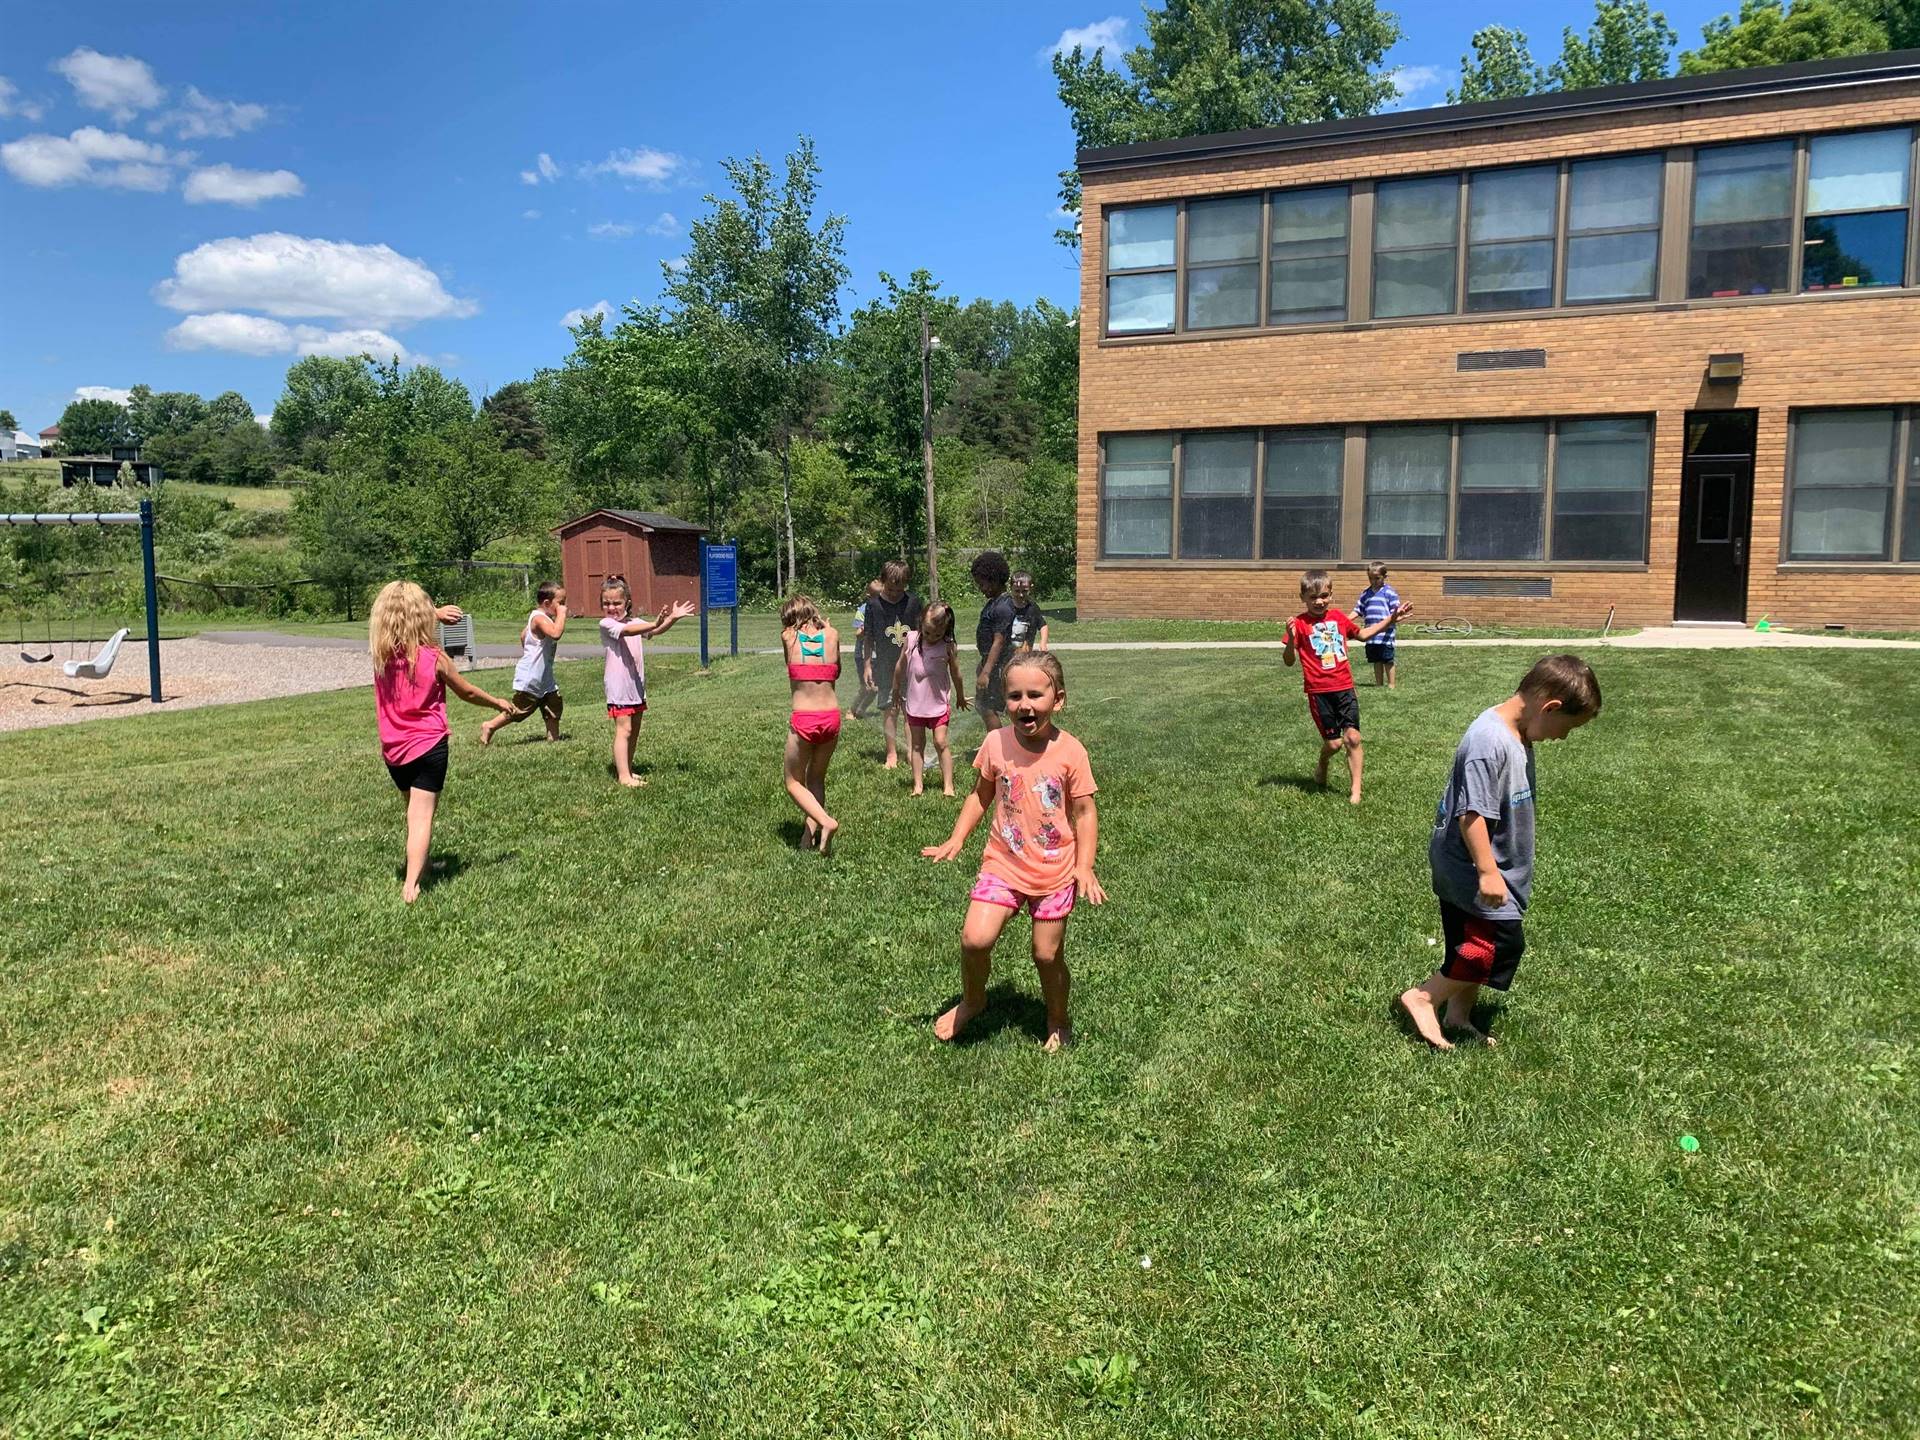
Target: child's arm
[551,627]
[900,675]
[1085,819]
[448,614]
[1043,634]
[466,689]
[1493,888]
[679,610]
[971,814]
[1367,632]
[1287,653]
[987,664]
[953,669]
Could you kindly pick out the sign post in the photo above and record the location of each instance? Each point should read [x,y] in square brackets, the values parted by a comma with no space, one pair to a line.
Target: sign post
[719,590]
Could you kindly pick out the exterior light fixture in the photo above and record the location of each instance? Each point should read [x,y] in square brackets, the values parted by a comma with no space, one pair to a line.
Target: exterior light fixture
[1725,369]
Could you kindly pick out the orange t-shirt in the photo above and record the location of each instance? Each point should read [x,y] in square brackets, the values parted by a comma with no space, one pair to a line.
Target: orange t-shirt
[1030,844]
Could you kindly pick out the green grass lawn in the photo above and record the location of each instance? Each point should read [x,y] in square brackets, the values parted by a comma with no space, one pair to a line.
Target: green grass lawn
[635,1126]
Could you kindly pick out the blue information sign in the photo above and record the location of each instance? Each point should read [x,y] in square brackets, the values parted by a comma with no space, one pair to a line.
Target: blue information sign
[723,576]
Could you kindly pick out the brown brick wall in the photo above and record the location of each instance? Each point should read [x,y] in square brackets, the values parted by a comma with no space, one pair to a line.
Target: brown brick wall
[1851,349]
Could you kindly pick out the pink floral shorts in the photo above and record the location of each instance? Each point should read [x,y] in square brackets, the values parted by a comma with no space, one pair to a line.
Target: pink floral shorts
[994,891]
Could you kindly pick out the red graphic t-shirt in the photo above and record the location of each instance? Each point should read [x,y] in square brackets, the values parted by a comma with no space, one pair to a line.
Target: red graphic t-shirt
[1321,647]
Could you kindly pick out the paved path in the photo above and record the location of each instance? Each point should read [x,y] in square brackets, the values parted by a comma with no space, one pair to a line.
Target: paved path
[1658,637]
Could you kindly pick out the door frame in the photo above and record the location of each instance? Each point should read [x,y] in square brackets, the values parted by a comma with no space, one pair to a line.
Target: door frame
[1740,528]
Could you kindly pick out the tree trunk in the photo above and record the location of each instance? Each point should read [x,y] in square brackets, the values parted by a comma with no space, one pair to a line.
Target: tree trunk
[786,499]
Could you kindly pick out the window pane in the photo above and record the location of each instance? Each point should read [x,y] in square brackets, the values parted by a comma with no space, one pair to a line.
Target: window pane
[1137,491]
[1217,465]
[1139,302]
[1858,172]
[1743,182]
[1511,276]
[1300,517]
[1305,462]
[1416,212]
[1836,522]
[1406,515]
[1612,267]
[1139,450]
[1493,525]
[1223,295]
[1503,457]
[1600,490]
[1844,251]
[1413,282]
[1610,194]
[1139,482]
[1310,222]
[1910,527]
[1216,497]
[1140,237]
[1223,229]
[1843,447]
[1306,290]
[1137,527]
[1744,259]
[1512,204]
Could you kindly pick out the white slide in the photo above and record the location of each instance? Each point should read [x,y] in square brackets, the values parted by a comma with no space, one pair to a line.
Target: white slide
[99,665]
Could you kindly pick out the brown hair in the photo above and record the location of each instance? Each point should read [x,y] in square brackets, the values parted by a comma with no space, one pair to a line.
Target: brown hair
[798,610]
[1046,662]
[895,572]
[613,583]
[548,589]
[1566,678]
[1313,582]
[1376,571]
[937,608]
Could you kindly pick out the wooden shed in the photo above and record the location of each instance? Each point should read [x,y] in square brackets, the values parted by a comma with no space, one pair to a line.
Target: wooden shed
[659,555]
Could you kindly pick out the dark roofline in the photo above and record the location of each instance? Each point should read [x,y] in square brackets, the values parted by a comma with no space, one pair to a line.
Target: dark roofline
[644,518]
[1807,76]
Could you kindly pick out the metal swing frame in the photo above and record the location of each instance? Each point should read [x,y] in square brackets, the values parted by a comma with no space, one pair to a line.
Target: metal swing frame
[143,517]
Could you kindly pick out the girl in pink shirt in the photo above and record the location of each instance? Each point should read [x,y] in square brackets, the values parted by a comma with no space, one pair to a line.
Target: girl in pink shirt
[626,671]
[411,678]
[928,676]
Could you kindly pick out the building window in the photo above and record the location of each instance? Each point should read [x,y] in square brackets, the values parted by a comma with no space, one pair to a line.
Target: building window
[1613,228]
[1856,226]
[1137,496]
[1416,237]
[1223,263]
[1501,513]
[1910,525]
[1140,273]
[1408,467]
[1216,496]
[1511,219]
[1308,256]
[1300,503]
[1842,484]
[1601,470]
[1742,220]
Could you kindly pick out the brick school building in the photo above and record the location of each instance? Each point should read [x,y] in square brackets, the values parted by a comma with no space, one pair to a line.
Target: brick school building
[1654,347]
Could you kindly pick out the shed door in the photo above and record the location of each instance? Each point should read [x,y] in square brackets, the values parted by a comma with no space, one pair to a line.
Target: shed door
[594,554]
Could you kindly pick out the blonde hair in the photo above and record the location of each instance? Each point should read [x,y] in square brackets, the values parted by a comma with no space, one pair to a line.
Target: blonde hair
[400,623]
[1044,661]
[799,610]
[944,611]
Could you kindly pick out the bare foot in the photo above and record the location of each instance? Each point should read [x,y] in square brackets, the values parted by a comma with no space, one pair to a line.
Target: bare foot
[948,1027]
[632,782]
[1425,1018]
[1058,1040]
[917,790]
[827,831]
[1354,798]
[893,763]
[809,835]
[948,792]
[1463,1025]
[486,733]
[410,891]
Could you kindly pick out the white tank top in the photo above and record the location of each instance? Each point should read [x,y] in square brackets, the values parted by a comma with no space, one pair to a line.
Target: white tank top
[534,674]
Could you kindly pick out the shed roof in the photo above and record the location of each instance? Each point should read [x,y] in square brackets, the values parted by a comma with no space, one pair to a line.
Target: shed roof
[646,519]
[1803,77]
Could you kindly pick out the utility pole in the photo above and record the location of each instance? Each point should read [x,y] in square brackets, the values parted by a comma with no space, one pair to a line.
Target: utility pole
[927,341]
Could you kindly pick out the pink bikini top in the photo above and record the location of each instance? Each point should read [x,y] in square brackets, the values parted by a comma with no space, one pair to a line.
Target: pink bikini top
[828,673]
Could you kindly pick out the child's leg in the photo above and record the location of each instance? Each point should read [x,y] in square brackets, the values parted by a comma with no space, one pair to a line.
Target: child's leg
[946,759]
[490,728]
[1355,759]
[550,709]
[1050,960]
[977,939]
[1328,749]
[1392,675]
[633,739]
[1379,672]
[916,755]
[1459,1013]
[420,807]
[817,783]
[1421,1000]
[889,718]
[623,751]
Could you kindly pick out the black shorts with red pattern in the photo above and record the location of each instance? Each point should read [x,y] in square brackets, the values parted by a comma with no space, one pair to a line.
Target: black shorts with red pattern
[1480,951]
[1334,712]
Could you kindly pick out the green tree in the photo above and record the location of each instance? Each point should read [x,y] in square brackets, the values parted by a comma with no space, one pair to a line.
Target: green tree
[1500,68]
[1900,19]
[90,427]
[228,410]
[151,415]
[1046,367]
[1768,33]
[516,419]
[321,396]
[472,491]
[8,423]
[1627,43]
[1215,65]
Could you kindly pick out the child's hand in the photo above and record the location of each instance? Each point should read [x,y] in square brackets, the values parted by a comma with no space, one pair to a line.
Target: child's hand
[679,610]
[1493,891]
[1405,610]
[944,851]
[448,614]
[505,707]
[964,703]
[1090,888]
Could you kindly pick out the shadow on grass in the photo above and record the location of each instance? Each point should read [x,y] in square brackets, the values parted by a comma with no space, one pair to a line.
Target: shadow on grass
[444,869]
[1485,1018]
[642,771]
[1305,783]
[1007,1009]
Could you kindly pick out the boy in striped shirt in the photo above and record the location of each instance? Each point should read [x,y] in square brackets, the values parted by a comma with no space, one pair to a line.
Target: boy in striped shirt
[1378,602]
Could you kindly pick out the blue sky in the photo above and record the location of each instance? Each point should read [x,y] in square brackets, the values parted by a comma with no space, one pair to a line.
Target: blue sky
[194,195]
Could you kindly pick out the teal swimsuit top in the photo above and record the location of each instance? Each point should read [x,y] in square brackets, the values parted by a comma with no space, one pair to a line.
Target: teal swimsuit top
[812,647]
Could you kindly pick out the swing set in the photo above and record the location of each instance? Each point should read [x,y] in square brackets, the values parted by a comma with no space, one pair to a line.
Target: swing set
[98,665]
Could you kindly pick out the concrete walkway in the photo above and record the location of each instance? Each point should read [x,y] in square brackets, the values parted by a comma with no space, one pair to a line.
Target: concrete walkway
[278,639]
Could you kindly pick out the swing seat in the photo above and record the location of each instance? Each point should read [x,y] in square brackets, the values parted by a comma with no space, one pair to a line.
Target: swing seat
[98,667]
[32,659]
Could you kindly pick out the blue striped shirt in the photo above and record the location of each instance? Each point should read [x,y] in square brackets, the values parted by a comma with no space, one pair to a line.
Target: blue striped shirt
[1375,605]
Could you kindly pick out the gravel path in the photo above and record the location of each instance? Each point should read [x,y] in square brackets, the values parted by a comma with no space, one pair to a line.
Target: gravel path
[192,672]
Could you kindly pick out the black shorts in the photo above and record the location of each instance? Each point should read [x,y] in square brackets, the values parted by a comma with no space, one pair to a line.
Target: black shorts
[423,772]
[1480,951]
[1380,652]
[994,696]
[883,672]
[1334,712]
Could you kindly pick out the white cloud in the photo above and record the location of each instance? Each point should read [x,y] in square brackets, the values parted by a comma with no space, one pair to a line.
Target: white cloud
[90,156]
[202,117]
[602,308]
[257,335]
[678,262]
[543,169]
[642,166]
[103,392]
[118,84]
[666,224]
[1103,37]
[225,185]
[529,214]
[12,104]
[609,230]
[1410,81]
[294,276]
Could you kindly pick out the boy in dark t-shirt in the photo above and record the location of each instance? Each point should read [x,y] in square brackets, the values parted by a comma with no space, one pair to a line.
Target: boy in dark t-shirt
[1029,621]
[1318,637]
[893,612]
[993,637]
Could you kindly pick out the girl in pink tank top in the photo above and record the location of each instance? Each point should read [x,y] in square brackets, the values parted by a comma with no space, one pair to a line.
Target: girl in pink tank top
[929,677]
[411,678]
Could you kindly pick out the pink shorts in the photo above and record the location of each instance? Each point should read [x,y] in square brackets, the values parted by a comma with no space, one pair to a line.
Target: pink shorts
[814,726]
[933,722]
[992,890]
[624,710]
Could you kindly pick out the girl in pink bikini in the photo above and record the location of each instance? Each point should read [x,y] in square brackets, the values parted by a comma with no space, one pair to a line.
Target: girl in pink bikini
[813,664]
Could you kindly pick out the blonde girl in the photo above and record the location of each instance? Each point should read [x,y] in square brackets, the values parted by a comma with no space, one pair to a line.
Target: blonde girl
[813,664]
[411,678]
[622,638]
[928,680]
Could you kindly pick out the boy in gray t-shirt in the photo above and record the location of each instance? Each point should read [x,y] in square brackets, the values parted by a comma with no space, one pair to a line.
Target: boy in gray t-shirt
[1481,848]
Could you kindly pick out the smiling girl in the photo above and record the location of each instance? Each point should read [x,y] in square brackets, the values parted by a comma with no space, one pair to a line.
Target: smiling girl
[1038,783]
[626,671]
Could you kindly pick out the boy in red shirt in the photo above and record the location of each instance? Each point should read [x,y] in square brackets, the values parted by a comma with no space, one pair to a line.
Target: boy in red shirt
[1318,635]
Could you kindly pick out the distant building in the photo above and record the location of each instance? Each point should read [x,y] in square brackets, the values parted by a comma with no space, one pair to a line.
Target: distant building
[49,438]
[658,554]
[19,445]
[105,469]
